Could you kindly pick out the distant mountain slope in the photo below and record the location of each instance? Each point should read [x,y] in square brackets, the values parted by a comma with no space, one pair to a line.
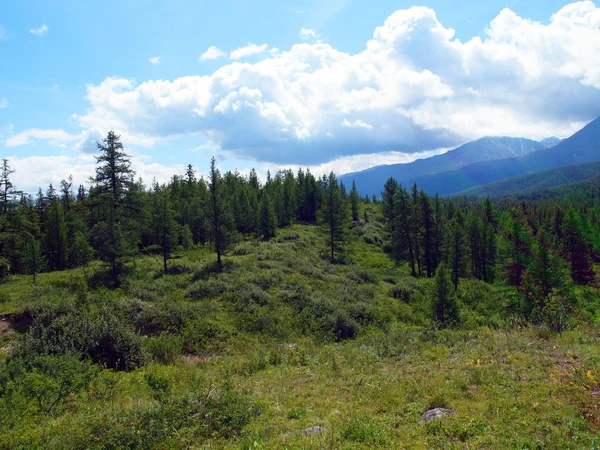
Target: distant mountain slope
[371,181]
[582,147]
[590,185]
[535,181]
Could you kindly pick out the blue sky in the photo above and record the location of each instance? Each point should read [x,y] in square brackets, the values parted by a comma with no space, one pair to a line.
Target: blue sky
[330,84]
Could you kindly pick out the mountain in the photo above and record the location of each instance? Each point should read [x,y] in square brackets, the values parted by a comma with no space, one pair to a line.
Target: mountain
[550,142]
[535,181]
[582,147]
[370,181]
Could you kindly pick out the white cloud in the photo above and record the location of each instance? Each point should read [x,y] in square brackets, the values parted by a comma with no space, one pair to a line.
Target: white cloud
[212,53]
[307,34]
[155,60]
[56,137]
[39,171]
[3,33]
[416,86]
[248,50]
[3,103]
[356,124]
[40,31]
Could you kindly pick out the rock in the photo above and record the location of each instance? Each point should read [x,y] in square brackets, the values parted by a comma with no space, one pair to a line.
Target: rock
[435,413]
[317,429]
[313,430]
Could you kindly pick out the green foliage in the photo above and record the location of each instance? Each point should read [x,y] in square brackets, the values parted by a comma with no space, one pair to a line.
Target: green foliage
[446,311]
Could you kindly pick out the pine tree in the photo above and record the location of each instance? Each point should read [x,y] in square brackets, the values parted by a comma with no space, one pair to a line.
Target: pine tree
[164,224]
[427,234]
[403,245]
[334,214]
[388,196]
[6,186]
[218,213]
[456,250]
[354,201]
[114,180]
[576,250]
[56,237]
[267,217]
[33,258]
[445,308]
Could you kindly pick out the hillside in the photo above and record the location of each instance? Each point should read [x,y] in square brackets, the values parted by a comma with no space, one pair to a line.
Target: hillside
[484,149]
[582,147]
[536,181]
[283,349]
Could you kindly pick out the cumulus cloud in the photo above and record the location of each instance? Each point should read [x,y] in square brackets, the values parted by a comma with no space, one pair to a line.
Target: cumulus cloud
[212,53]
[40,31]
[3,103]
[413,88]
[248,50]
[154,60]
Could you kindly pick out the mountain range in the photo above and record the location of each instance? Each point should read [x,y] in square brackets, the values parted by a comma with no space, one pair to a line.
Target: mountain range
[484,161]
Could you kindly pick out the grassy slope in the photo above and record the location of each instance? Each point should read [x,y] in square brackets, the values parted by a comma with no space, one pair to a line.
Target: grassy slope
[535,181]
[510,389]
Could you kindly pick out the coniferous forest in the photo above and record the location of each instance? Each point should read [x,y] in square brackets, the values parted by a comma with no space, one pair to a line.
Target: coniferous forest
[228,311]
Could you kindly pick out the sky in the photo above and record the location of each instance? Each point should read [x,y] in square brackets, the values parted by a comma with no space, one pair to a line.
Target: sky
[336,85]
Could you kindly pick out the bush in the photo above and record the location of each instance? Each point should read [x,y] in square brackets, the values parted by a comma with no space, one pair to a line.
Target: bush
[102,336]
[46,382]
[164,348]
[206,335]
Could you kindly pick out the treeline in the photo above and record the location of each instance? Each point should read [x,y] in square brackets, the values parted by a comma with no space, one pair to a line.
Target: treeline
[119,216]
[541,249]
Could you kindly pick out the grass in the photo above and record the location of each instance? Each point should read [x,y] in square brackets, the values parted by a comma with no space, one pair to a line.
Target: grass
[251,357]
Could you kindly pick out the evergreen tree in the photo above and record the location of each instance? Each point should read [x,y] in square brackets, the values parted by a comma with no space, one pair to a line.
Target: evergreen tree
[218,213]
[267,217]
[113,181]
[56,237]
[576,250]
[354,201]
[334,214]
[445,308]
[6,186]
[33,258]
[164,224]
[456,249]
[388,196]
[403,245]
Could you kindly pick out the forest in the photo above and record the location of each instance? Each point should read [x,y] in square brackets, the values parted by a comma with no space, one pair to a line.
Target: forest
[228,312]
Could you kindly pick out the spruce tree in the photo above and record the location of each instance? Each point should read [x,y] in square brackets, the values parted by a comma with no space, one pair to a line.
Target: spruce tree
[113,181]
[218,213]
[164,224]
[445,308]
[334,214]
[354,201]
[267,217]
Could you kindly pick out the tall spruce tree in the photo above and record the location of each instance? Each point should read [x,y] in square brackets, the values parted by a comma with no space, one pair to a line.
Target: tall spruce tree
[113,180]
[334,214]
[267,217]
[354,201]
[218,213]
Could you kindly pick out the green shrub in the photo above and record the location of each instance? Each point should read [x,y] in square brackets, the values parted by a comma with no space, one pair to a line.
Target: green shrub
[164,348]
[102,336]
[206,335]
